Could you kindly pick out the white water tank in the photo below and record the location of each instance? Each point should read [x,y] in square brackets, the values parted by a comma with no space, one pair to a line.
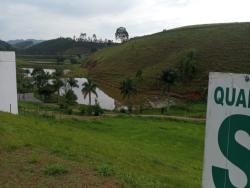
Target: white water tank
[8,84]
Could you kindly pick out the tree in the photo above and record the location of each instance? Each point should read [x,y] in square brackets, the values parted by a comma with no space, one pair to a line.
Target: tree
[83,37]
[58,84]
[73,60]
[122,34]
[58,73]
[46,91]
[94,38]
[139,75]
[88,88]
[41,81]
[72,83]
[24,82]
[187,67]
[40,78]
[128,88]
[60,59]
[70,97]
[168,77]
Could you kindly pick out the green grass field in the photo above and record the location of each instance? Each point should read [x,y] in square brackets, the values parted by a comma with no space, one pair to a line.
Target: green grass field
[108,152]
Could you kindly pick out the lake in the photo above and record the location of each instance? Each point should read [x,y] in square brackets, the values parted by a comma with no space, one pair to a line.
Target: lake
[106,102]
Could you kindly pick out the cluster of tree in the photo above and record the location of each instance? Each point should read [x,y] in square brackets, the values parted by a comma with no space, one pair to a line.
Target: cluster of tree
[49,87]
[83,37]
[74,59]
[185,72]
[61,45]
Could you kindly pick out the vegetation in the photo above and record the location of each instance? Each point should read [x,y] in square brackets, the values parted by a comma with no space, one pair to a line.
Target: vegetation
[128,89]
[122,34]
[218,47]
[54,170]
[5,46]
[187,67]
[139,152]
[88,89]
[63,46]
[168,77]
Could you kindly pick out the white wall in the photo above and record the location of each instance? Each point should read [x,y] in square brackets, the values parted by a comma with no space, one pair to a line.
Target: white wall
[8,86]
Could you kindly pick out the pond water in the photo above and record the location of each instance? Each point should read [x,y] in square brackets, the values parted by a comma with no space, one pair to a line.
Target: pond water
[105,101]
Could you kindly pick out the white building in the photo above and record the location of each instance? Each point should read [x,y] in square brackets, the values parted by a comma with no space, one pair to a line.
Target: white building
[8,86]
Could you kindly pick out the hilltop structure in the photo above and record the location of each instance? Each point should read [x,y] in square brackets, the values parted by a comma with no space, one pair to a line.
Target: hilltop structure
[8,86]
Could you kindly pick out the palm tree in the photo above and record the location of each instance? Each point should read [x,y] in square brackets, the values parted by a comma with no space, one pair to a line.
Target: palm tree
[58,84]
[128,88]
[72,83]
[88,88]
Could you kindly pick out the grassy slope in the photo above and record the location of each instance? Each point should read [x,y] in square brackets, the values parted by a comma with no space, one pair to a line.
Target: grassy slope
[219,47]
[61,46]
[142,152]
[5,46]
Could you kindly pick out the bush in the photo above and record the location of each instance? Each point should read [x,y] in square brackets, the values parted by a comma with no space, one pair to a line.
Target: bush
[123,110]
[106,170]
[69,111]
[83,110]
[89,110]
[97,110]
[54,170]
[73,61]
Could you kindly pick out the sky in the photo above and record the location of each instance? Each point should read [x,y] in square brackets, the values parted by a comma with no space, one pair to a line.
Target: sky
[48,19]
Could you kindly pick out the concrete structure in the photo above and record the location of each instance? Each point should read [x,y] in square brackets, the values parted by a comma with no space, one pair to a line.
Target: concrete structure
[8,86]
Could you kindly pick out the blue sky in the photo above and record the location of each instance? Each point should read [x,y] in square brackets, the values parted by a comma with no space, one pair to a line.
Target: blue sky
[47,19]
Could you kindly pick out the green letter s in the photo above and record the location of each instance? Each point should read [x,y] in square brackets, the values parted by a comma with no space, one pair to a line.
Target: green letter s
[232,150]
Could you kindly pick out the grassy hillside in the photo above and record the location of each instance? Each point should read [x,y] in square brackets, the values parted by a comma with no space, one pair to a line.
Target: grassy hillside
[138,152]
[5,46]
[22,44]
[62,46]
[217,47]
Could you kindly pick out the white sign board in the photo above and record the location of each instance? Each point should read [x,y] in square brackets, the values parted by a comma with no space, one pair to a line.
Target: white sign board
[227,142]
[8,86]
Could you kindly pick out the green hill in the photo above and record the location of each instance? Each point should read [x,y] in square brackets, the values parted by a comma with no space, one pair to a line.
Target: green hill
[62,46]
[5,46]
[217,47]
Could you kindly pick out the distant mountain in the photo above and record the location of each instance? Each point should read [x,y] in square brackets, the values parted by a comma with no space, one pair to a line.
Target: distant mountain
[63,46]
[5,46]
[22,44]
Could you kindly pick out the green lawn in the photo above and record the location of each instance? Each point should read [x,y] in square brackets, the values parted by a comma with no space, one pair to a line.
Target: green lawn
[138,152]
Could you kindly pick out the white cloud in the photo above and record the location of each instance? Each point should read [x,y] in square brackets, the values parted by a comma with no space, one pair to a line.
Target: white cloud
[47,19]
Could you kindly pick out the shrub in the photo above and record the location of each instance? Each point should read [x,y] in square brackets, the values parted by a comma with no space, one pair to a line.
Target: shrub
[123,110]
[33,159]
[54,170]
[69,111]
[106,170]
[97,110]
[83,110]
[89,110]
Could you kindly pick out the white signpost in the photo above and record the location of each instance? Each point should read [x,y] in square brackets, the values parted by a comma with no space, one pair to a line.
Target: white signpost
[227,147]
[8,86]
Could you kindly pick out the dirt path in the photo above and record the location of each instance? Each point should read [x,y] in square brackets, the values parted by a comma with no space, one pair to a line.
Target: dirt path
[58,115]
